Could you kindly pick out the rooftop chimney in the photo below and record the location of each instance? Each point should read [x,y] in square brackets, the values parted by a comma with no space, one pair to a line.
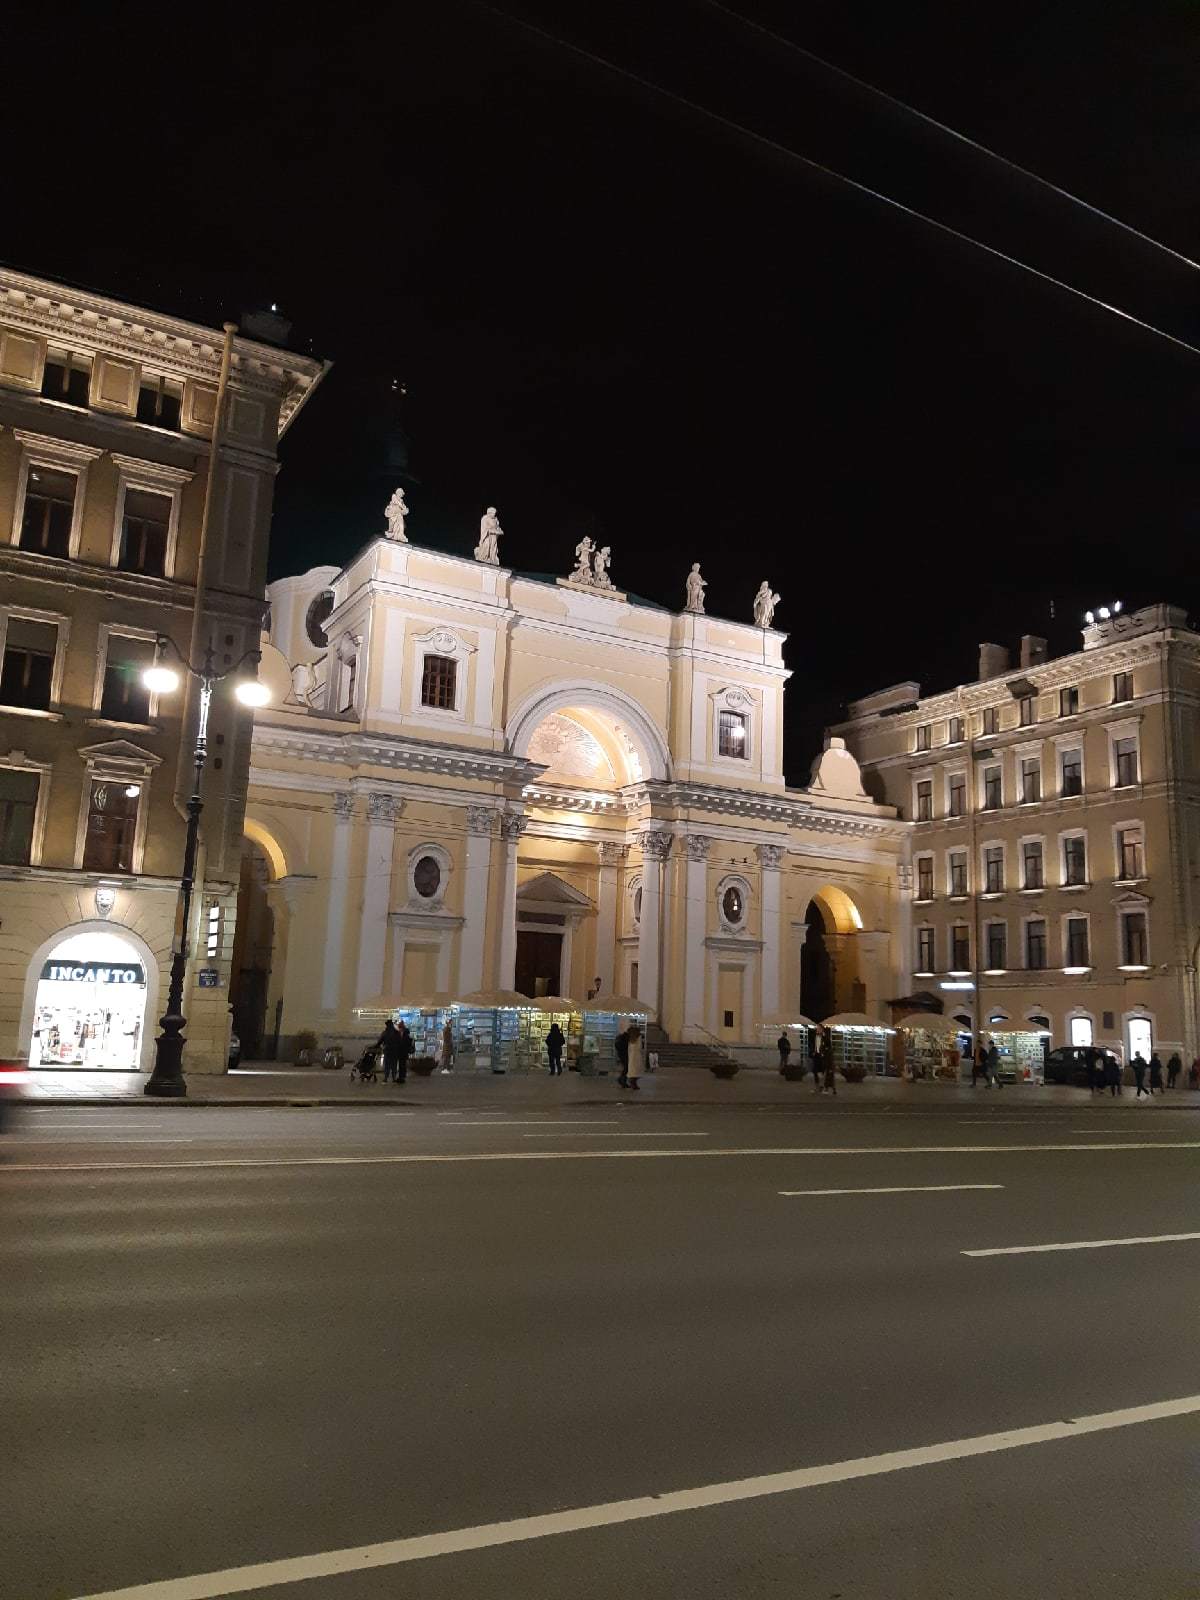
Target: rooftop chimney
[993,661]
[1033,650]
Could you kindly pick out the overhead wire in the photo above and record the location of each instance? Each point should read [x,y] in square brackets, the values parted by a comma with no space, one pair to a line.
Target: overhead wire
[769,143]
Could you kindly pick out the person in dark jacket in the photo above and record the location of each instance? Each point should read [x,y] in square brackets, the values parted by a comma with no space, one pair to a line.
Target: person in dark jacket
[1174,1068]
[555,1039]
[818,1060]
[1139,1074]
[1156,1073]
[785,1049]
[391,1043]
[621,1046]
[1091,1061]
[1112,1074]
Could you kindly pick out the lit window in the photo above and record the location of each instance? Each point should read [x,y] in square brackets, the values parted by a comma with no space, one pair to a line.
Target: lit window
[124,697]
[923,736]
[1133,939]
[1031,779]
[144,524]
[28,670]
[1077,942]
[925,800]
[960,948]
[66,378]
[1122,687]
[427,877]
[958,794]
[925,956]
[439,678]
[1130,860]
[1031,856]
[1072,772]
[997,945]
[1125,761]
[1035,945]
[111,825]
[958,872]
[924,877]
[18,804]
[1074,861]
[1068,701]
[733,905]
[731,734]
[993,868]
[48,512]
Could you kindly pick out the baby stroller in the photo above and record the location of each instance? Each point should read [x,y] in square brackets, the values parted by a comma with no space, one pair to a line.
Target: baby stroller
[364,1068]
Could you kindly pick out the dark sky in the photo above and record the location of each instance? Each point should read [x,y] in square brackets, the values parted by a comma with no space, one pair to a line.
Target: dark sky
[611,314]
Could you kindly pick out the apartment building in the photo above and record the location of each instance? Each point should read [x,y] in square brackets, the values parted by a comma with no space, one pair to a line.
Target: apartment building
[1051,873]
[106,421]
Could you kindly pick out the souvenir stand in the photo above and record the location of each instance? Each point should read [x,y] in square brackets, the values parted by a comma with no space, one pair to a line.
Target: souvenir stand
[488,1030]
[603,1019]
[543,1011]
[929,1045]
[1022,1053]
[423,1015]
[859,1042]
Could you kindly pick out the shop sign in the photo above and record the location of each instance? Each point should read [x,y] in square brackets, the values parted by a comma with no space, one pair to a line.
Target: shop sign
[210,978]
[99,972]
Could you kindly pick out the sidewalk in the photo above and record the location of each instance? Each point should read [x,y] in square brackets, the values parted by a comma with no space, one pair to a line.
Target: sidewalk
[264,1084]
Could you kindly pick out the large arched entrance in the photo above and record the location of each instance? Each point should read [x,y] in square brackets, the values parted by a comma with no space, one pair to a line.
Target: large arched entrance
[253,953]
[817,977]
[89,1002]
[829,977]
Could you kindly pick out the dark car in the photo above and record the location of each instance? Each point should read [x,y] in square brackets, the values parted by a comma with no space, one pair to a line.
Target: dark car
[1068,1064]
[14,1078]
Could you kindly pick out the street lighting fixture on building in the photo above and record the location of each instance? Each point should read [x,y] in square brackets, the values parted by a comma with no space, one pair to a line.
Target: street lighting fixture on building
[167,1077]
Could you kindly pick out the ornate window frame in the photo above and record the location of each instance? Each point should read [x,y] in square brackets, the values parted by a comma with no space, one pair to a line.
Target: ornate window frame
[1127,728]
[734,880]
[445,861]
[439,641]
[57,455]
[917,897]
[119,761]
[1118,828]
[1064,835]
[62,623]
[742,702]
[1074,914]
[18,761]
[1125,904]
[153,478]
[122,631]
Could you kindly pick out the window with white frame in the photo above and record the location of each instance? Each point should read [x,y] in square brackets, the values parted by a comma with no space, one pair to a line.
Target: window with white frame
[346,676]
[990,721]
[957,860]
[960,948]
[1032,864]
[993,869]
[1027,710]
[925,951]
[1031,779]
[1135,945]
[1122,687]
[20,792]
[27,676]
[1076,932]
[1131,860]
[439,682]
[924,877]
[956,794]
[1070,771]
[1035,944]
[996,935]
[429,867]
[123,695]
[1074,864]
[110,834]
[1125,761]
[992,788]
[924,799]
[159,402]
[733,901]
[145,524]
[1068,701]
[955,731]
[923,736]
[733,734]
[66,377]
[1080,1031]
[48,515]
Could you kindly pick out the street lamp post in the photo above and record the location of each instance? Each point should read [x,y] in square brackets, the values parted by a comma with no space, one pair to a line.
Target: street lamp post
[167,1078]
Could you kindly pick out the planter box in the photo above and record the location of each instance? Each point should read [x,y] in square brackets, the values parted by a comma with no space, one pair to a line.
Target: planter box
[725,1069]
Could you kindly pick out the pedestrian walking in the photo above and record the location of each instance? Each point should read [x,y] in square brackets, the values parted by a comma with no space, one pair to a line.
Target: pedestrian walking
[555,1039]
[1156,1073]
[784,1045]
[389,1042]
[1139,1074]
[993,1065]
[830,1074]
[978,1064]
[407,1046]
[1194,1074]
[637,1057]
[621,1046]
[1091,1060]
[818,1060]
[1174,1068]
[1112,1075]
[447,1048]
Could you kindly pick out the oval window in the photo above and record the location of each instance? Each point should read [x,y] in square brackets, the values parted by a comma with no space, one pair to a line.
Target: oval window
[427,877]
[315,618]
[637,905]
[733,905]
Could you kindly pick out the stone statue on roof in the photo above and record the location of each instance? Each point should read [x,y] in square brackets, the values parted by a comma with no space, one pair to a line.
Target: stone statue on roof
[488,548]
[696,586]
[395,513]
[583,562]
[764,605]
[601,562]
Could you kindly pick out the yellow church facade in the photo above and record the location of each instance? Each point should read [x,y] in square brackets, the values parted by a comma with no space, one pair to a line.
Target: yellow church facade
[469,779]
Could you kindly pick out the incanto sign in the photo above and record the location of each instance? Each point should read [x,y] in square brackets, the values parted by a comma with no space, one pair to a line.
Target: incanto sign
[110,972]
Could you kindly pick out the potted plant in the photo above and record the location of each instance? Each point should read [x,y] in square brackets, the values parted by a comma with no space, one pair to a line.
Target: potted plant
[855,1073]
[724,1069]
[305,1045]
[795,1071]
[422,1065]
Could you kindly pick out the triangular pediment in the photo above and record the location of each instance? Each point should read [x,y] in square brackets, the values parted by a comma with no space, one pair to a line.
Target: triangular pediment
[1131,900]
[119,751]
[548,889]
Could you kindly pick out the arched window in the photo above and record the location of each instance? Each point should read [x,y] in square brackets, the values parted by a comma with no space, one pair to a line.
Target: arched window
[316,617]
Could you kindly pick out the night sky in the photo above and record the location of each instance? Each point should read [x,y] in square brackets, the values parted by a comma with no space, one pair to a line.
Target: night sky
[550,289]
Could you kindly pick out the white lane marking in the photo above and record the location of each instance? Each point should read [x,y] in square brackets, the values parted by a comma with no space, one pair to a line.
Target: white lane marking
[486,1536]
[916,1188]
[1080,1244]
[660,1133]
[23,1141]
[579,1155]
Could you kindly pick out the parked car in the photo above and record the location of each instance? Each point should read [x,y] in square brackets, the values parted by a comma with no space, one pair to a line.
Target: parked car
[14,1079]
[235,1051]
[1068,1064]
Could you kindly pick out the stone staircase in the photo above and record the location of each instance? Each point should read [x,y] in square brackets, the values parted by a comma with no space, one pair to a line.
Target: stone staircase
[684,1055]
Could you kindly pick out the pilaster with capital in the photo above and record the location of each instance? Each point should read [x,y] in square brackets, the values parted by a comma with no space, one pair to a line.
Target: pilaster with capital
[770,861]
[512,826]
[382,811]
[611,855]
[695,890]
[656,846]
[339,885]
[480,824]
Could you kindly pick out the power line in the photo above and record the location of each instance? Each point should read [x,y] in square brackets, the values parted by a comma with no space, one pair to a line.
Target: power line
[773,145]
[953,133]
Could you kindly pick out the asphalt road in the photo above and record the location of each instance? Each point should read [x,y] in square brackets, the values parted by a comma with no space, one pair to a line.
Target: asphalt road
[237,1337]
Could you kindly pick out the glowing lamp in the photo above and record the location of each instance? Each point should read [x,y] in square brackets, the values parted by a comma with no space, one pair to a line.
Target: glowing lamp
[252,693]
[160,679]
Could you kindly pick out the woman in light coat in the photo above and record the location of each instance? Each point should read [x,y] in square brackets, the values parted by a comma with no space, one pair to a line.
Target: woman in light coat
[637,1057]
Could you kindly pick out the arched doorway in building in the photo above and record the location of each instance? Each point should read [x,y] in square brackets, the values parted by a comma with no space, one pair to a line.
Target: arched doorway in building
[817,975]
[86,1001]
[829,977]
[253,953]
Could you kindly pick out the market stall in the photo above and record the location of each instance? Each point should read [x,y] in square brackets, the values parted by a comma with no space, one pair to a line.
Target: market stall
[488,1030]
[800,1031]
[1022,1053]
[929,1045]
[542,1012]
[603,1019]
[860,1045]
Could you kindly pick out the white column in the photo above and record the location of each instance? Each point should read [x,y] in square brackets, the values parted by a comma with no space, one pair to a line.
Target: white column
[770,860]
[611,856]
[339,882]
[697,846]
[477,875]
[377,892]
[655,847]
[512,826]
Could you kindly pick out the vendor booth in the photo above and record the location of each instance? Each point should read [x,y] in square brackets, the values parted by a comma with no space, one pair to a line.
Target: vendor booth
[859,1043]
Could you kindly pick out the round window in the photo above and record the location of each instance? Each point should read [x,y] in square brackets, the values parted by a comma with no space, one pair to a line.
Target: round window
[733,905]
[637,905]
[316,616]
[427,877]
